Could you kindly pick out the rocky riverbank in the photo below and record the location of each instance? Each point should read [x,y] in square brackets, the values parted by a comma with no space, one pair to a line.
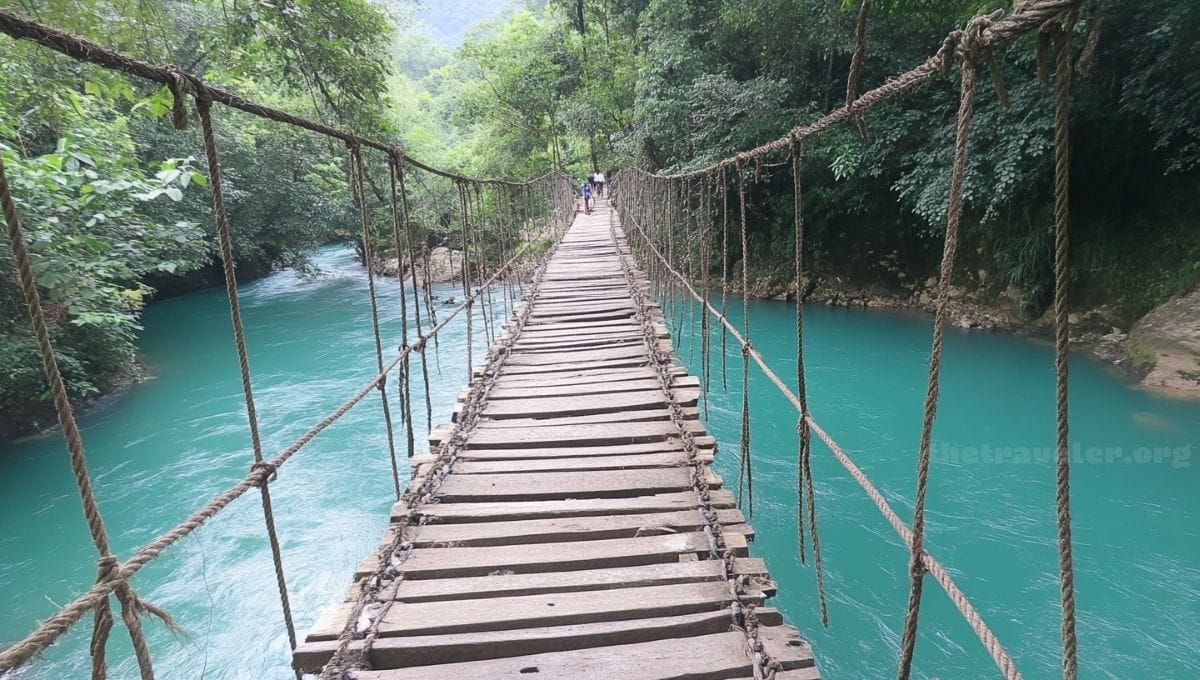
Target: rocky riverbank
[1161,351]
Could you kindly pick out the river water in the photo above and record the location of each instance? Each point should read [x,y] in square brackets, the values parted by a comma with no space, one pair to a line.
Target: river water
[167,445]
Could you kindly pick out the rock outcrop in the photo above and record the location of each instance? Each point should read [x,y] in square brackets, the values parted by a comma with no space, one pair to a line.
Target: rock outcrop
[445,265]
[1164,346]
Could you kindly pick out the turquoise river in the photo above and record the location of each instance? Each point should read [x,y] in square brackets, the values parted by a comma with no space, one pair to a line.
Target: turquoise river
[165,446]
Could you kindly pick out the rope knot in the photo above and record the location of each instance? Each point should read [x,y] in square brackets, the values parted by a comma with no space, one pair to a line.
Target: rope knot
[271,471]
[419,345]
[107,568]
[180,87]
[974,48]
[747,346]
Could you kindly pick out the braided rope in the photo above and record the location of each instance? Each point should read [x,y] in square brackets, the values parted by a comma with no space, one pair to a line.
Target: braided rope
[1000,32]
[357,181]
[399,207]
[49,630]
[935,569]
[804,478]
[958,175]
[130,605]
[1062,279]
[746,466]
[348,655]
[742,613]
[229,265]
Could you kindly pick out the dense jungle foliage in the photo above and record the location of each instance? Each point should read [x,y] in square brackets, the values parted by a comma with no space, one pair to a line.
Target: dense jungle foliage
[116,205]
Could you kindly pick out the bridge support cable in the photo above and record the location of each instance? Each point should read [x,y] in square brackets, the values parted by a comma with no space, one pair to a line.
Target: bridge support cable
[115,576]
[108,576]
[362,626]
[743,612]
[971,48]
[358,190]
[804,477]
[958,172]
[644,244]
[1062,32]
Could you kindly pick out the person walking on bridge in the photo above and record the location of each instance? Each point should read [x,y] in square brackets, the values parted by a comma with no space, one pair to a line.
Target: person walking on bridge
[586,190]
[598,180]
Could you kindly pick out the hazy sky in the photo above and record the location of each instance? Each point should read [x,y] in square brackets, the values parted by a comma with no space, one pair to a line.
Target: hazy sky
[447,21]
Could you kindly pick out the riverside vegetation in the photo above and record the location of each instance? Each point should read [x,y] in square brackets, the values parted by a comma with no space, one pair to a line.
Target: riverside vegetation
[117,210]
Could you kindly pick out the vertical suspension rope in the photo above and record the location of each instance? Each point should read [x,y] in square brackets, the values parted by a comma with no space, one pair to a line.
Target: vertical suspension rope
[804,478]
[399,221]
[705,271]
[958,172]
[106,564]
[421,343]
[357,185]
[225,243]
[466,276]
[724,189]
[746,471]
[1062,278]
[854,79]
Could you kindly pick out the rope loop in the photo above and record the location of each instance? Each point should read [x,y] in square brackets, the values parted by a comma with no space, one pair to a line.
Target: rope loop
[266,471]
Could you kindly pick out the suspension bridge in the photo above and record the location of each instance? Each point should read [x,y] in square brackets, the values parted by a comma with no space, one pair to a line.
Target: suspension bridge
[567,522]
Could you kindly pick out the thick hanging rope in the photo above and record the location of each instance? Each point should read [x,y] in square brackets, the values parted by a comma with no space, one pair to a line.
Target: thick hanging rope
[746,468]
[466,276]
[357,182]
[1062,279]
[229,265]
[935,569]
[130,605]
[958,173]
[804,479]
[706,275]
[724,190]
[399,209]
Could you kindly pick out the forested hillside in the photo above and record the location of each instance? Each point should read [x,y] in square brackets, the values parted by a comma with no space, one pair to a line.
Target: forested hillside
[117,209]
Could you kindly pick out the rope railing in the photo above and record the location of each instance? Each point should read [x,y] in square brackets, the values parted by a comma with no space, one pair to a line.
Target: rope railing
[652,206]
[544,204]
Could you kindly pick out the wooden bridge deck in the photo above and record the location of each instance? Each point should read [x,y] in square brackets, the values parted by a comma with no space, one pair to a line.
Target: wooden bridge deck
[568,540]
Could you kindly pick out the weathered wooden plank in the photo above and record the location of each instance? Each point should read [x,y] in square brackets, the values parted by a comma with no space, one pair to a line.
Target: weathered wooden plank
[501,511]
[598,434]
[576,377]
[632,416]
[569,452]
[478,587]
[596,403]
[684,386]
[568,358]
[717,656]
[425,563]
[646,460]
[568,528]
[404,652]
[538,486]
[542,610]
[571,366]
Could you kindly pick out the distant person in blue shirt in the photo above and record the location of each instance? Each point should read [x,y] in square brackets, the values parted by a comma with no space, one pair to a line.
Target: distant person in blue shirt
[586,190]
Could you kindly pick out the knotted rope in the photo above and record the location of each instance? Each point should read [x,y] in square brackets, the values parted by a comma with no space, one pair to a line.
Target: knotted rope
[229,266]
[804,479]
[358,190]
[130,607]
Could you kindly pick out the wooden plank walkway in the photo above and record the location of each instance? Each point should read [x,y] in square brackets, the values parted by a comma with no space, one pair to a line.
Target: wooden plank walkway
[569,539]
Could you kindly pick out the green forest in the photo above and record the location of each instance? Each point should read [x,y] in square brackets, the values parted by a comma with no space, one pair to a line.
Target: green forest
[115,203]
